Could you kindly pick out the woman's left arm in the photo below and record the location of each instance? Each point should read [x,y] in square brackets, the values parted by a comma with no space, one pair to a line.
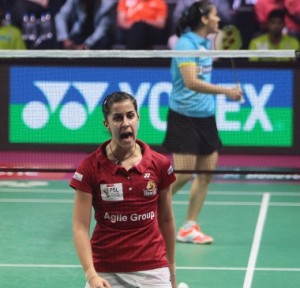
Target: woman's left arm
[166,224]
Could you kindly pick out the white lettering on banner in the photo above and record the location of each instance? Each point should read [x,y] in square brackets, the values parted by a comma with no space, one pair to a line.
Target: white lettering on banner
[258,101]
[134,217]
[154,103]
[93,92]
[141,93]
[155,93]
[225,107]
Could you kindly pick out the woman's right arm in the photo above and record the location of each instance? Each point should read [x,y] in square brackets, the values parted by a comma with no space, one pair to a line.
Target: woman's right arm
[81,232]
[191,81]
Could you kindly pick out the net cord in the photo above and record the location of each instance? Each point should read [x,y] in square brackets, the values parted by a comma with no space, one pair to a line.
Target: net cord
[147,53]
[243,171]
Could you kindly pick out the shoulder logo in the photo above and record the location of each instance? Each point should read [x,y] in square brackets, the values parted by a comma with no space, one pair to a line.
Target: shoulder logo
[78,176]
[170,170]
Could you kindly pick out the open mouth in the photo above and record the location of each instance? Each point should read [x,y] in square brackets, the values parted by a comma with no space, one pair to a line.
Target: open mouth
[126,135]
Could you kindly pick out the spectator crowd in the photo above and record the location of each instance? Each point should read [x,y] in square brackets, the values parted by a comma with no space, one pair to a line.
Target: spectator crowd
[138,24]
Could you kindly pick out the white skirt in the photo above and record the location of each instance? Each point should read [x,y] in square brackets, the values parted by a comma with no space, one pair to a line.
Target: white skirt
[142,279]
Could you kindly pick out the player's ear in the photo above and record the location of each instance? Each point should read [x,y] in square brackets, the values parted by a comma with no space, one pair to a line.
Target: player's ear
[204,19]
[106,124]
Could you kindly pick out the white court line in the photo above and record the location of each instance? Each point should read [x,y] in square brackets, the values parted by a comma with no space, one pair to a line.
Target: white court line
[284,194]
[63,266]
[256,240]
[39,266]
[52,201]
[271,269]
[36,190]
[244,193]
[239,203]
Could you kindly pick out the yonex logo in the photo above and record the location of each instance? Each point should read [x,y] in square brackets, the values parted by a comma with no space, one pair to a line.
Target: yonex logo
[36,114]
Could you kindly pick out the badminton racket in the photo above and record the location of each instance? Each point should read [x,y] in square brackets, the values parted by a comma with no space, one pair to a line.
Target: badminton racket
[229,38]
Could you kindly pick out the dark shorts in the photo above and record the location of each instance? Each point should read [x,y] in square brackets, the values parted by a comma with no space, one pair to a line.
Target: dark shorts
[191,135]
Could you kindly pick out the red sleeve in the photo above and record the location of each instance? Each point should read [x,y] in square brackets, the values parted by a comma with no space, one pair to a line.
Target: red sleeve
[167,174]
[83,177]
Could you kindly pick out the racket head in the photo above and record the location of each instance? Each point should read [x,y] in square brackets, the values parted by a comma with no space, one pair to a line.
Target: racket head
[228,38]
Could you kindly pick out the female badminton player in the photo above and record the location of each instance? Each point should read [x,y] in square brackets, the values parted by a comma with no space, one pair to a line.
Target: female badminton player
[192,135]
[128,186]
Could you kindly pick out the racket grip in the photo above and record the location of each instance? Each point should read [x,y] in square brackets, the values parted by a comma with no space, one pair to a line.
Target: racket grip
[242,100]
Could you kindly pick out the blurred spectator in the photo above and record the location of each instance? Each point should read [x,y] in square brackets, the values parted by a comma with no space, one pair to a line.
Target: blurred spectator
[85,24]
[143,22]
[10,36]
[38,10]
[245,19]
[19,8]
[263,8]
[292,19]
[274,37]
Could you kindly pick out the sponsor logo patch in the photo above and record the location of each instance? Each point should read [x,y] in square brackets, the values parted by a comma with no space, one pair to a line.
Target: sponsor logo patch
[112,192]
[150,190]
[78,176]
[170,170]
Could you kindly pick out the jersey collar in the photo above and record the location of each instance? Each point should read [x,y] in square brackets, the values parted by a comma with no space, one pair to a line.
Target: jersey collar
[141,167]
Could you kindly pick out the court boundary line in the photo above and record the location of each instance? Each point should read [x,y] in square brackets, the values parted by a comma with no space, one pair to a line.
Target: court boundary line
[257,240]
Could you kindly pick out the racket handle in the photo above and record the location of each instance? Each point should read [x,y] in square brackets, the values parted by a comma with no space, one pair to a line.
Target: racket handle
[242,100]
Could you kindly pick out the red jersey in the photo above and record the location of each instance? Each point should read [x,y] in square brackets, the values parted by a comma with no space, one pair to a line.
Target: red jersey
[126,237]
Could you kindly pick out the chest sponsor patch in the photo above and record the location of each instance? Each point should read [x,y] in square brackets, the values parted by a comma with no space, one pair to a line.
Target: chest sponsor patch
[112,192]
[151,189]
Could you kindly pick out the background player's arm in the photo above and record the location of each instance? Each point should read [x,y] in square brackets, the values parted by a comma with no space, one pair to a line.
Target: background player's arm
[166,224]
[191,80]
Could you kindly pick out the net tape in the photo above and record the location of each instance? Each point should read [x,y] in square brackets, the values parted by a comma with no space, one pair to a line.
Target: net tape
[147,53]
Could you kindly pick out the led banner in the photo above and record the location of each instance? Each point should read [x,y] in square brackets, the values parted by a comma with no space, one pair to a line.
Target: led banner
[59,105]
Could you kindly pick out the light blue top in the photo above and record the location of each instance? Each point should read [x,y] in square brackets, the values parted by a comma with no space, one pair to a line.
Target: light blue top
[183,100]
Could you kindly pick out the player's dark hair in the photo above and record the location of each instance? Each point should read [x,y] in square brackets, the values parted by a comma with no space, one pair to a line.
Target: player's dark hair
[191,18]
[276,13]
[116,97]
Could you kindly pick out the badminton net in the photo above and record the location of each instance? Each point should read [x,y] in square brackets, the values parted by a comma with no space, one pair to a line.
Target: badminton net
[51,106]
